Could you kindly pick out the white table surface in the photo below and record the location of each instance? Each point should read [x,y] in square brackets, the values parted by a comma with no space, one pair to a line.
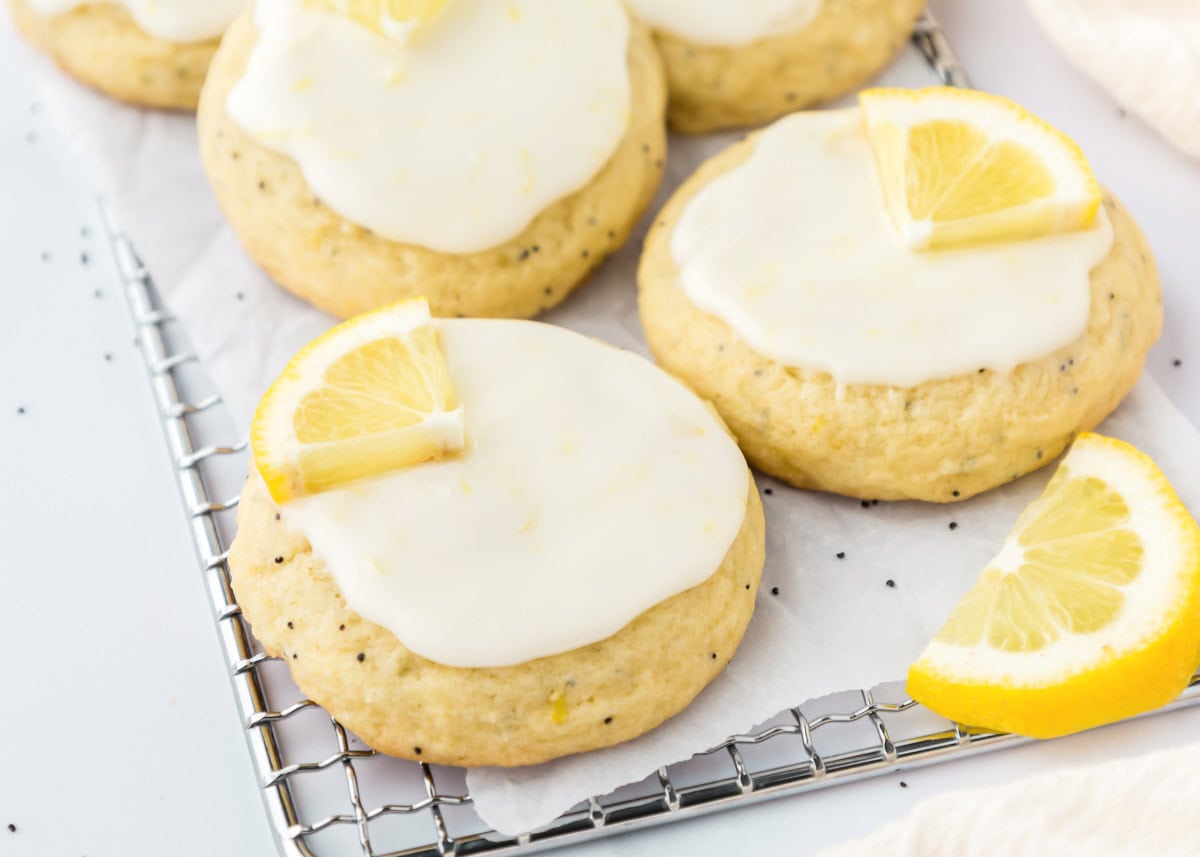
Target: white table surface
[118,732]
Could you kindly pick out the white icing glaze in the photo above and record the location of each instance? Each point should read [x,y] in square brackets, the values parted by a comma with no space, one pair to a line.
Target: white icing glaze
[172,20]
[594,487]
[793,250]
[721,22]
[456,142]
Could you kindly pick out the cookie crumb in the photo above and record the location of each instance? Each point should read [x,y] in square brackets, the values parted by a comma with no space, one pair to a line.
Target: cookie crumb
[84,259]
[841,554]
[903,784]
[20,410]
[954,525]
[12,828]
[108,357]
[768,491]
[774,590]
[1177,362]
[866,504]
[276,516]
[891,584]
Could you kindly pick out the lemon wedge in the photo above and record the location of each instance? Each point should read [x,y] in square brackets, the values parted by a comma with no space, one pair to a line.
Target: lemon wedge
[401,20]
[959,167]
[369,396]
[1089,613]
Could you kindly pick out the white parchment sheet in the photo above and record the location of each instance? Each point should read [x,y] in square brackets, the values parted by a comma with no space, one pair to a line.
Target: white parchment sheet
[834,623]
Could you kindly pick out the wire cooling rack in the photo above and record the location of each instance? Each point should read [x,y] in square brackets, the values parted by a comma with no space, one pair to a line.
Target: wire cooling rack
[328,795]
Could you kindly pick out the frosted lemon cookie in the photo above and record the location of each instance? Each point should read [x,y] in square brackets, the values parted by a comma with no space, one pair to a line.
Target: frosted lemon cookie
[926,328]
[731,64]
[487,158]
[150,52]
[563,550]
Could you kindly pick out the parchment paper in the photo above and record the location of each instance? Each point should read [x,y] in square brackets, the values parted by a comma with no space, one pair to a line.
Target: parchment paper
[833,625]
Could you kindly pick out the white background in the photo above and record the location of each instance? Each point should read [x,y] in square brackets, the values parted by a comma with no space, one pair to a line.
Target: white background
[118,732]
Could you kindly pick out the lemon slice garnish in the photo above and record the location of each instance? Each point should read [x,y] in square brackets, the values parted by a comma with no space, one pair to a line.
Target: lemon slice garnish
[960,167]
[402,20]
[1089,613]
[369,396]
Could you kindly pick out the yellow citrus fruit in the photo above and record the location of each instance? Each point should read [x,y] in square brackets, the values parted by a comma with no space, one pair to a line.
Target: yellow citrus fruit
[1090,612]
[959,167]
[369,396]
[402,20]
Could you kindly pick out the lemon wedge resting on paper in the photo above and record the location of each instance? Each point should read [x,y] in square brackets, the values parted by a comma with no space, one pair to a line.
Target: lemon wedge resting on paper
[369,396]
[1089,613]
[402,20]
[959,167]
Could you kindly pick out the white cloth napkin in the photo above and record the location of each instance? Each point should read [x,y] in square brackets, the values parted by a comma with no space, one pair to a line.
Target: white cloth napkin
[834,623]
[1145,52]
[1145,807]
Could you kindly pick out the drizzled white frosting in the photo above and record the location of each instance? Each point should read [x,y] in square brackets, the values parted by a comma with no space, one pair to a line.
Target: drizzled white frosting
[793,250]
[594,486]
[455,142]
[172,20]
[722,22]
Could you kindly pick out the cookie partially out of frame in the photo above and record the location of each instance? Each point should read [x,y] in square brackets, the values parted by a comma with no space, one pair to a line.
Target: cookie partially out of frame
[940,441]
[405,705]
[843,47]
[346,269]
[101,45]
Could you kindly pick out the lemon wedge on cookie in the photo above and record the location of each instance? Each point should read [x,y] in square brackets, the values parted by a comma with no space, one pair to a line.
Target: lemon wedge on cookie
[959,167]
[402,20]
[371,395]
[1089,613]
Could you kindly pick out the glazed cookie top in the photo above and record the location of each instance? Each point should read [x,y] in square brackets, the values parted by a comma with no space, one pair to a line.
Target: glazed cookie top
[593,487]
[455,140]
[720,22]
[172,20]
[794,250]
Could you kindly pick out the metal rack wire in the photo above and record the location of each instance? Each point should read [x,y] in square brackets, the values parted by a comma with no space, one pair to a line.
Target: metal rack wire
[327,794]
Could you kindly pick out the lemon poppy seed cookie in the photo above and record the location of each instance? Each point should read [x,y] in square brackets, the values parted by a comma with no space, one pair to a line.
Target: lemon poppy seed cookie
[565,551]
[154,54]
[452,165]
[732,64]
[846,361]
